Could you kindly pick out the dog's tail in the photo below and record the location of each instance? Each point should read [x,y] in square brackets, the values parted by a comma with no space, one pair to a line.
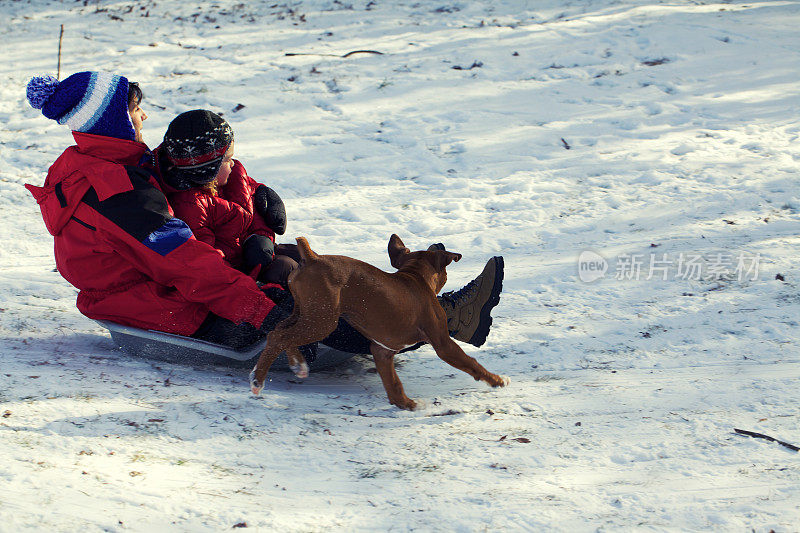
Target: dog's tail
[306,253]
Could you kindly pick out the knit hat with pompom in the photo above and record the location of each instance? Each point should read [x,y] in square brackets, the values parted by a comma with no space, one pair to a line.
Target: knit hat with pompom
[89,102]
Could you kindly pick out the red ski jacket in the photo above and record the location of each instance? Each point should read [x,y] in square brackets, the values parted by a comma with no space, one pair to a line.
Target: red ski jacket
[118,243]
[224,221]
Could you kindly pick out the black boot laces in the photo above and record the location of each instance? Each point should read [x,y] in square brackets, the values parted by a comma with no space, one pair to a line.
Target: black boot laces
[463,295]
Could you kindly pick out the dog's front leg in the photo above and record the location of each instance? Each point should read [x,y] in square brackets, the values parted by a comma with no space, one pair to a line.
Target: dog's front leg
[384,362]
[452,354]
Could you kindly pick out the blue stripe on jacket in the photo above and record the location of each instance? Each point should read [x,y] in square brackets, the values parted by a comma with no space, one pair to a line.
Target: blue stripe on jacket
[169,236]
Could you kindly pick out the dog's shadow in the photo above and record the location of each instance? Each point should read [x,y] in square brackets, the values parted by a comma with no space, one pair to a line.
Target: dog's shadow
[226,408]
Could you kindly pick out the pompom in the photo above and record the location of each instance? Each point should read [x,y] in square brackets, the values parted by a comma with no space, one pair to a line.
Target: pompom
[40,88]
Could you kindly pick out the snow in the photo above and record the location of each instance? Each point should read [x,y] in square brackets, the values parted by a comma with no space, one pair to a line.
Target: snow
[681,122]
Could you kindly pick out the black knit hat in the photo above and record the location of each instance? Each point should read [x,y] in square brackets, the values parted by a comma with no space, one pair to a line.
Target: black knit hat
[195,143]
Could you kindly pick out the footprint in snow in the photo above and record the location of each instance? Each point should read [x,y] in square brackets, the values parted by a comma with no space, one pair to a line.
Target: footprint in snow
[325,106]
[683,149]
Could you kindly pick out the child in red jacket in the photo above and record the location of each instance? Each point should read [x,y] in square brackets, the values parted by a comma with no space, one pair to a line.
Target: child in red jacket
[116,239]
[223,206]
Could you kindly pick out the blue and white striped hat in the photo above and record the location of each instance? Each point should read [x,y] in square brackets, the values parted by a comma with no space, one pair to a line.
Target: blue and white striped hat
[89,102]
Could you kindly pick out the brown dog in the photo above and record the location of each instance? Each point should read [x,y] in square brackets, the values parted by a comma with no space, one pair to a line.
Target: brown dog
[394,311]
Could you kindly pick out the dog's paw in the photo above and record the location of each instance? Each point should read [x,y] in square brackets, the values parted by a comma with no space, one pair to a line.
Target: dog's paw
[498,381]
[420,405]
[406,403]
[301,370]
[255,386]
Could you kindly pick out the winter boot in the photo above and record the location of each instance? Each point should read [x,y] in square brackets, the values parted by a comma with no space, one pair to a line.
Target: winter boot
[469,309]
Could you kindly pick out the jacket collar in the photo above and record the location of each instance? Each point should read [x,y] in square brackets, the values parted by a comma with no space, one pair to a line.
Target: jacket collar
[109,148]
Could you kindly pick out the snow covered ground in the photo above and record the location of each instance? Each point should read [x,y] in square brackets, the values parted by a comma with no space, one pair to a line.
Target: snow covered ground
[658,134]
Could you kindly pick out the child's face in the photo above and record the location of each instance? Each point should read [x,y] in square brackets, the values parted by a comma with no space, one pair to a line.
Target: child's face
[137,117]
[225,167]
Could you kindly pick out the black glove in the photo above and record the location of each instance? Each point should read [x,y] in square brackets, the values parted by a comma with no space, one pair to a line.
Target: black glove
[275,315]
[257,250]
[269,205]
[280,296]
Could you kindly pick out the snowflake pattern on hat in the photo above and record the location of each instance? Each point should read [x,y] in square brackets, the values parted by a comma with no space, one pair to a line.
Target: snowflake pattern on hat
[195,144]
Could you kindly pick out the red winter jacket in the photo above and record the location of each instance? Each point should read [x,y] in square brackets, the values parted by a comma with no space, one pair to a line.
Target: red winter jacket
[226,220]
[118,243]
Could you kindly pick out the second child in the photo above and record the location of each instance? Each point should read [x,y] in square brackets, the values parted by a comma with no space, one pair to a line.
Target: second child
[221,204]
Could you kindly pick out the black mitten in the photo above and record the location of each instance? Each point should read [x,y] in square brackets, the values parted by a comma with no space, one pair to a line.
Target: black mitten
[270,206]
[275,315]
[257,250]
[280,296]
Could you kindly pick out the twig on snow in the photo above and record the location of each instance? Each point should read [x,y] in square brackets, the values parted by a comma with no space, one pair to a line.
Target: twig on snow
[348,54]
[60,36]
[767,437]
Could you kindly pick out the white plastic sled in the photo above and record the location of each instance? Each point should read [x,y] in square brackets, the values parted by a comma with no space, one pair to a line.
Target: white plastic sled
[188,351]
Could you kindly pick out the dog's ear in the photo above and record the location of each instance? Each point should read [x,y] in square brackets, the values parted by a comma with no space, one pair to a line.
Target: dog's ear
[442,258]
[397,250]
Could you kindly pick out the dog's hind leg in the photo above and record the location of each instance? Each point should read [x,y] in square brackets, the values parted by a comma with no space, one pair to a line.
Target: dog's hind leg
[384,362]
[297,363]
[275,345]
[271,351]
[303,328]
[306,330]
[259,372]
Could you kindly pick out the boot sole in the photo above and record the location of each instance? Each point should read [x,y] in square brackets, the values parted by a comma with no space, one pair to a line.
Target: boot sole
[485,320]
